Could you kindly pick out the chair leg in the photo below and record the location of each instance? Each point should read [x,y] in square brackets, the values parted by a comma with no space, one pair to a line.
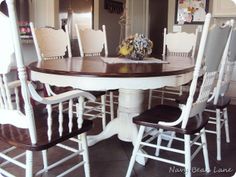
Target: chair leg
[205,150]
[29,164]
[159,140]
[135,151]
[111,105]
[80,146]
[187,156]
[180,90]
[103,101]
[150,99]
[85,154]
[226,122]
[45,160]
[162,95]
[218,134]
[171,139]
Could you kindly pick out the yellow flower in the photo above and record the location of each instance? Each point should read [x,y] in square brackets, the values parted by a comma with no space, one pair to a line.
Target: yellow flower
[125,50]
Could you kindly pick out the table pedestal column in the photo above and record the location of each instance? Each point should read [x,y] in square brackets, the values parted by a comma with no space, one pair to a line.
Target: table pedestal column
[130,105]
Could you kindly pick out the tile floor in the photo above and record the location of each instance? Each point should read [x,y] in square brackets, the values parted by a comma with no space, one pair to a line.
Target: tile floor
[110,158]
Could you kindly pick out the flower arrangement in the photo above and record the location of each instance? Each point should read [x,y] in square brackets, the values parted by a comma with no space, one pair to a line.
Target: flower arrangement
[136,47]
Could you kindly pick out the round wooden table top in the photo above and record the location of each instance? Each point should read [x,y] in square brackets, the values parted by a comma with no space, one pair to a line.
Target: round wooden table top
[92,73]
[96,67]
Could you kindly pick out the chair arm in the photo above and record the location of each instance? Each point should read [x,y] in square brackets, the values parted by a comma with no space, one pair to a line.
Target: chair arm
[59,97]
[14,84]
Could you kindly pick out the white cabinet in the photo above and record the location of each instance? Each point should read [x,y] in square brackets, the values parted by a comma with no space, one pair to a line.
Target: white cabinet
[43,12]
[224,8]
[137,17]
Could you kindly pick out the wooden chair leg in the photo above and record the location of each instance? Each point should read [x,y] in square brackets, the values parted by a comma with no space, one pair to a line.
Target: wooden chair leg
[171,139]
[135,151]
[111,105]
[85,154]
[162,96]
[218,134]
[159,140]
[205,150]
[226,122]
[103,102]
[187,156]
[150,99]
[45,160]
[29,164]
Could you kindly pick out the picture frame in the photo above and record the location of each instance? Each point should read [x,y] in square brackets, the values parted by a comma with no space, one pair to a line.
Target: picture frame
[191,11]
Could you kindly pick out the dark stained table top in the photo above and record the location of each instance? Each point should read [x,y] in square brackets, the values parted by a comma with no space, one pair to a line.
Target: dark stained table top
[96,67]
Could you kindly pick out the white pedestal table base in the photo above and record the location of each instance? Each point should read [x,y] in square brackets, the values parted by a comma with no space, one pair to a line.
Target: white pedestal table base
[130,105]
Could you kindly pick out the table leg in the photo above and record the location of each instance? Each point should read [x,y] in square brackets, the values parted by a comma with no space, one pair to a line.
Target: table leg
[130,105]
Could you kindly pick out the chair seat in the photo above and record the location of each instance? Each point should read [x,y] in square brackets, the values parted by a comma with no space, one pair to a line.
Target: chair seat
[222,103]
[21,138]
[167,113]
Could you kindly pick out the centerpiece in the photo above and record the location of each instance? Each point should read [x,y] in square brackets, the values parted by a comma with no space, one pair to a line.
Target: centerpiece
[136,47]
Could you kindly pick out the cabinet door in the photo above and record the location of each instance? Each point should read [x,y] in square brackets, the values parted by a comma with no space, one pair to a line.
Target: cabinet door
[224,8]
[43,12]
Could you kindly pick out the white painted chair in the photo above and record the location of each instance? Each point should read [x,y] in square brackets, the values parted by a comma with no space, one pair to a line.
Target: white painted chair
[27,128]
[179,44]
[53,43]
[219,102]
[188,120]
[93,43]
[174,44]
[87,44]
[50,43]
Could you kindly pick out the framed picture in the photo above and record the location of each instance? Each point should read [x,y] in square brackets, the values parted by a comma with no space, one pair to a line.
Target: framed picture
[191,11]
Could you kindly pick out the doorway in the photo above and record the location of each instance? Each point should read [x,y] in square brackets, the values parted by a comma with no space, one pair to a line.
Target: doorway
[148,17]
[158,19]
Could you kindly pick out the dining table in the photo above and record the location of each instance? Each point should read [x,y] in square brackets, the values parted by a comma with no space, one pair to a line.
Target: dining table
[130,77]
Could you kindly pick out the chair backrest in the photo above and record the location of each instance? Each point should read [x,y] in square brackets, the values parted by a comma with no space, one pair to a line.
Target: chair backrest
[227,66]
[24,118]
[179,44]
[51,43]
[211,48]
[211,55]
[92,42]
[12,50]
